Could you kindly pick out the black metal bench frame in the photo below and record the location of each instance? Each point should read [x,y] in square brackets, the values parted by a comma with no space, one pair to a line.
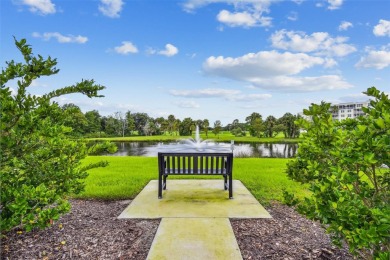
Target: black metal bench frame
[195,164]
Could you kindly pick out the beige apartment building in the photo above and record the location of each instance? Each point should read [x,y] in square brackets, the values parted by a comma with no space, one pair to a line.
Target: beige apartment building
[348,110]
[343,110]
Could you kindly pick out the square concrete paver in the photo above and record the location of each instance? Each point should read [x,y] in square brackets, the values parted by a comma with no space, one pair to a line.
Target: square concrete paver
[194,238]
[195,199]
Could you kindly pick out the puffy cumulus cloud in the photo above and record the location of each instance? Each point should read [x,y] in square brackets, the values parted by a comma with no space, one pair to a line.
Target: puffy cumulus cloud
[344,25]
[187,104]
[236,19]
[170,50]
[262,64]
[382,28]
[126,48]
[61,38]
[227,94]
[244,19]
[42,7]
[302,84]
[111,8]
[334,4]
[320,43]
[276,71]
[378,59]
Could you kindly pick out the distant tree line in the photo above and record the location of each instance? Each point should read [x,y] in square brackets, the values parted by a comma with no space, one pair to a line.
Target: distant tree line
[92,124]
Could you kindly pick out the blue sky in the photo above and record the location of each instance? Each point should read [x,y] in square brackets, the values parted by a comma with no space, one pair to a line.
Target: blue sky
[214,59]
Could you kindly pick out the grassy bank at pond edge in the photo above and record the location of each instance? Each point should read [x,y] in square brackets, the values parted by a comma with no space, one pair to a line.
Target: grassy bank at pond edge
[223,137]
[126,176]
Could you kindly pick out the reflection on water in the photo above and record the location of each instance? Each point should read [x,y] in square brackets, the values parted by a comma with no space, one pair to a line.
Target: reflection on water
[240,150]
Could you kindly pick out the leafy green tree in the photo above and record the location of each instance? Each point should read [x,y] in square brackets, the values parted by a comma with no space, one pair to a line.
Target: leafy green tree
[217,128]
[199,123]
[176,126]
[254,122]
[112,126]
[130,123]
[269,126]
[151,128]
[40,163]
[122,123]
[291,130]
[206,125]
[185,127]
[171,124]
[93,122]
[162,124]
[75,119]
[347,166]
[238,132]
[140,121]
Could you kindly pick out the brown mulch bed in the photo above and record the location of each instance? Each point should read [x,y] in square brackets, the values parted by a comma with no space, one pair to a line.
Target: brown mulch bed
[92,231]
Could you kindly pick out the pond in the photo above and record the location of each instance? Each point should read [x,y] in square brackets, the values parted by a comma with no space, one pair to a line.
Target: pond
[257,150]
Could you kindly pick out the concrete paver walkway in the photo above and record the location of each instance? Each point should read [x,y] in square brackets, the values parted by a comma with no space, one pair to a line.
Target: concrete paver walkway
[195,218]
[194,238]
[195,199]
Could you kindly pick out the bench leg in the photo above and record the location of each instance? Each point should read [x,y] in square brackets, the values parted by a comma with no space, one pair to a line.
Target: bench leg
[160,186]
[165,182]
[225,184]
[230,187]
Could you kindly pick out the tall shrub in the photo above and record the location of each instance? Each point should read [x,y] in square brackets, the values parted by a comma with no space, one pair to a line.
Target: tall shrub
[347,164]
[40,163]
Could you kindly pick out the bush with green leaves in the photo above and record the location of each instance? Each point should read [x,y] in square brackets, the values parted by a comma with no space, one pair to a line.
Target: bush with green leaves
[40,161]
[347,164]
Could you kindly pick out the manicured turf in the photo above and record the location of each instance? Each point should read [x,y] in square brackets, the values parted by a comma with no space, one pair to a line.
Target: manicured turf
[126,176]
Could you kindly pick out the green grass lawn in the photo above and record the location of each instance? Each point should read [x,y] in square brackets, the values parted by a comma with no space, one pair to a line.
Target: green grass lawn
[222,137]
[126,176]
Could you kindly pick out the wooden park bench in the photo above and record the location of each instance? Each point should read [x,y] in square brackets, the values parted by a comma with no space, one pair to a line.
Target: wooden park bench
[195,164]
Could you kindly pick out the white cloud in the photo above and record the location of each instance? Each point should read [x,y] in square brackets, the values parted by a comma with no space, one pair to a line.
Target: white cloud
[293,16]
[261,64]
[320,43]
[244,19]
[42,7]
[61,38]
[344,25]
[274,70]
[204,93]
[236,19]
[382,28]
[169,51]
[247,13]
[359,97]
[126,48]
[111,8]
[296,84]
[191,5]
[187,104]
[378,59]
[227,94]
[249,97]
[334,4]
[36,83]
